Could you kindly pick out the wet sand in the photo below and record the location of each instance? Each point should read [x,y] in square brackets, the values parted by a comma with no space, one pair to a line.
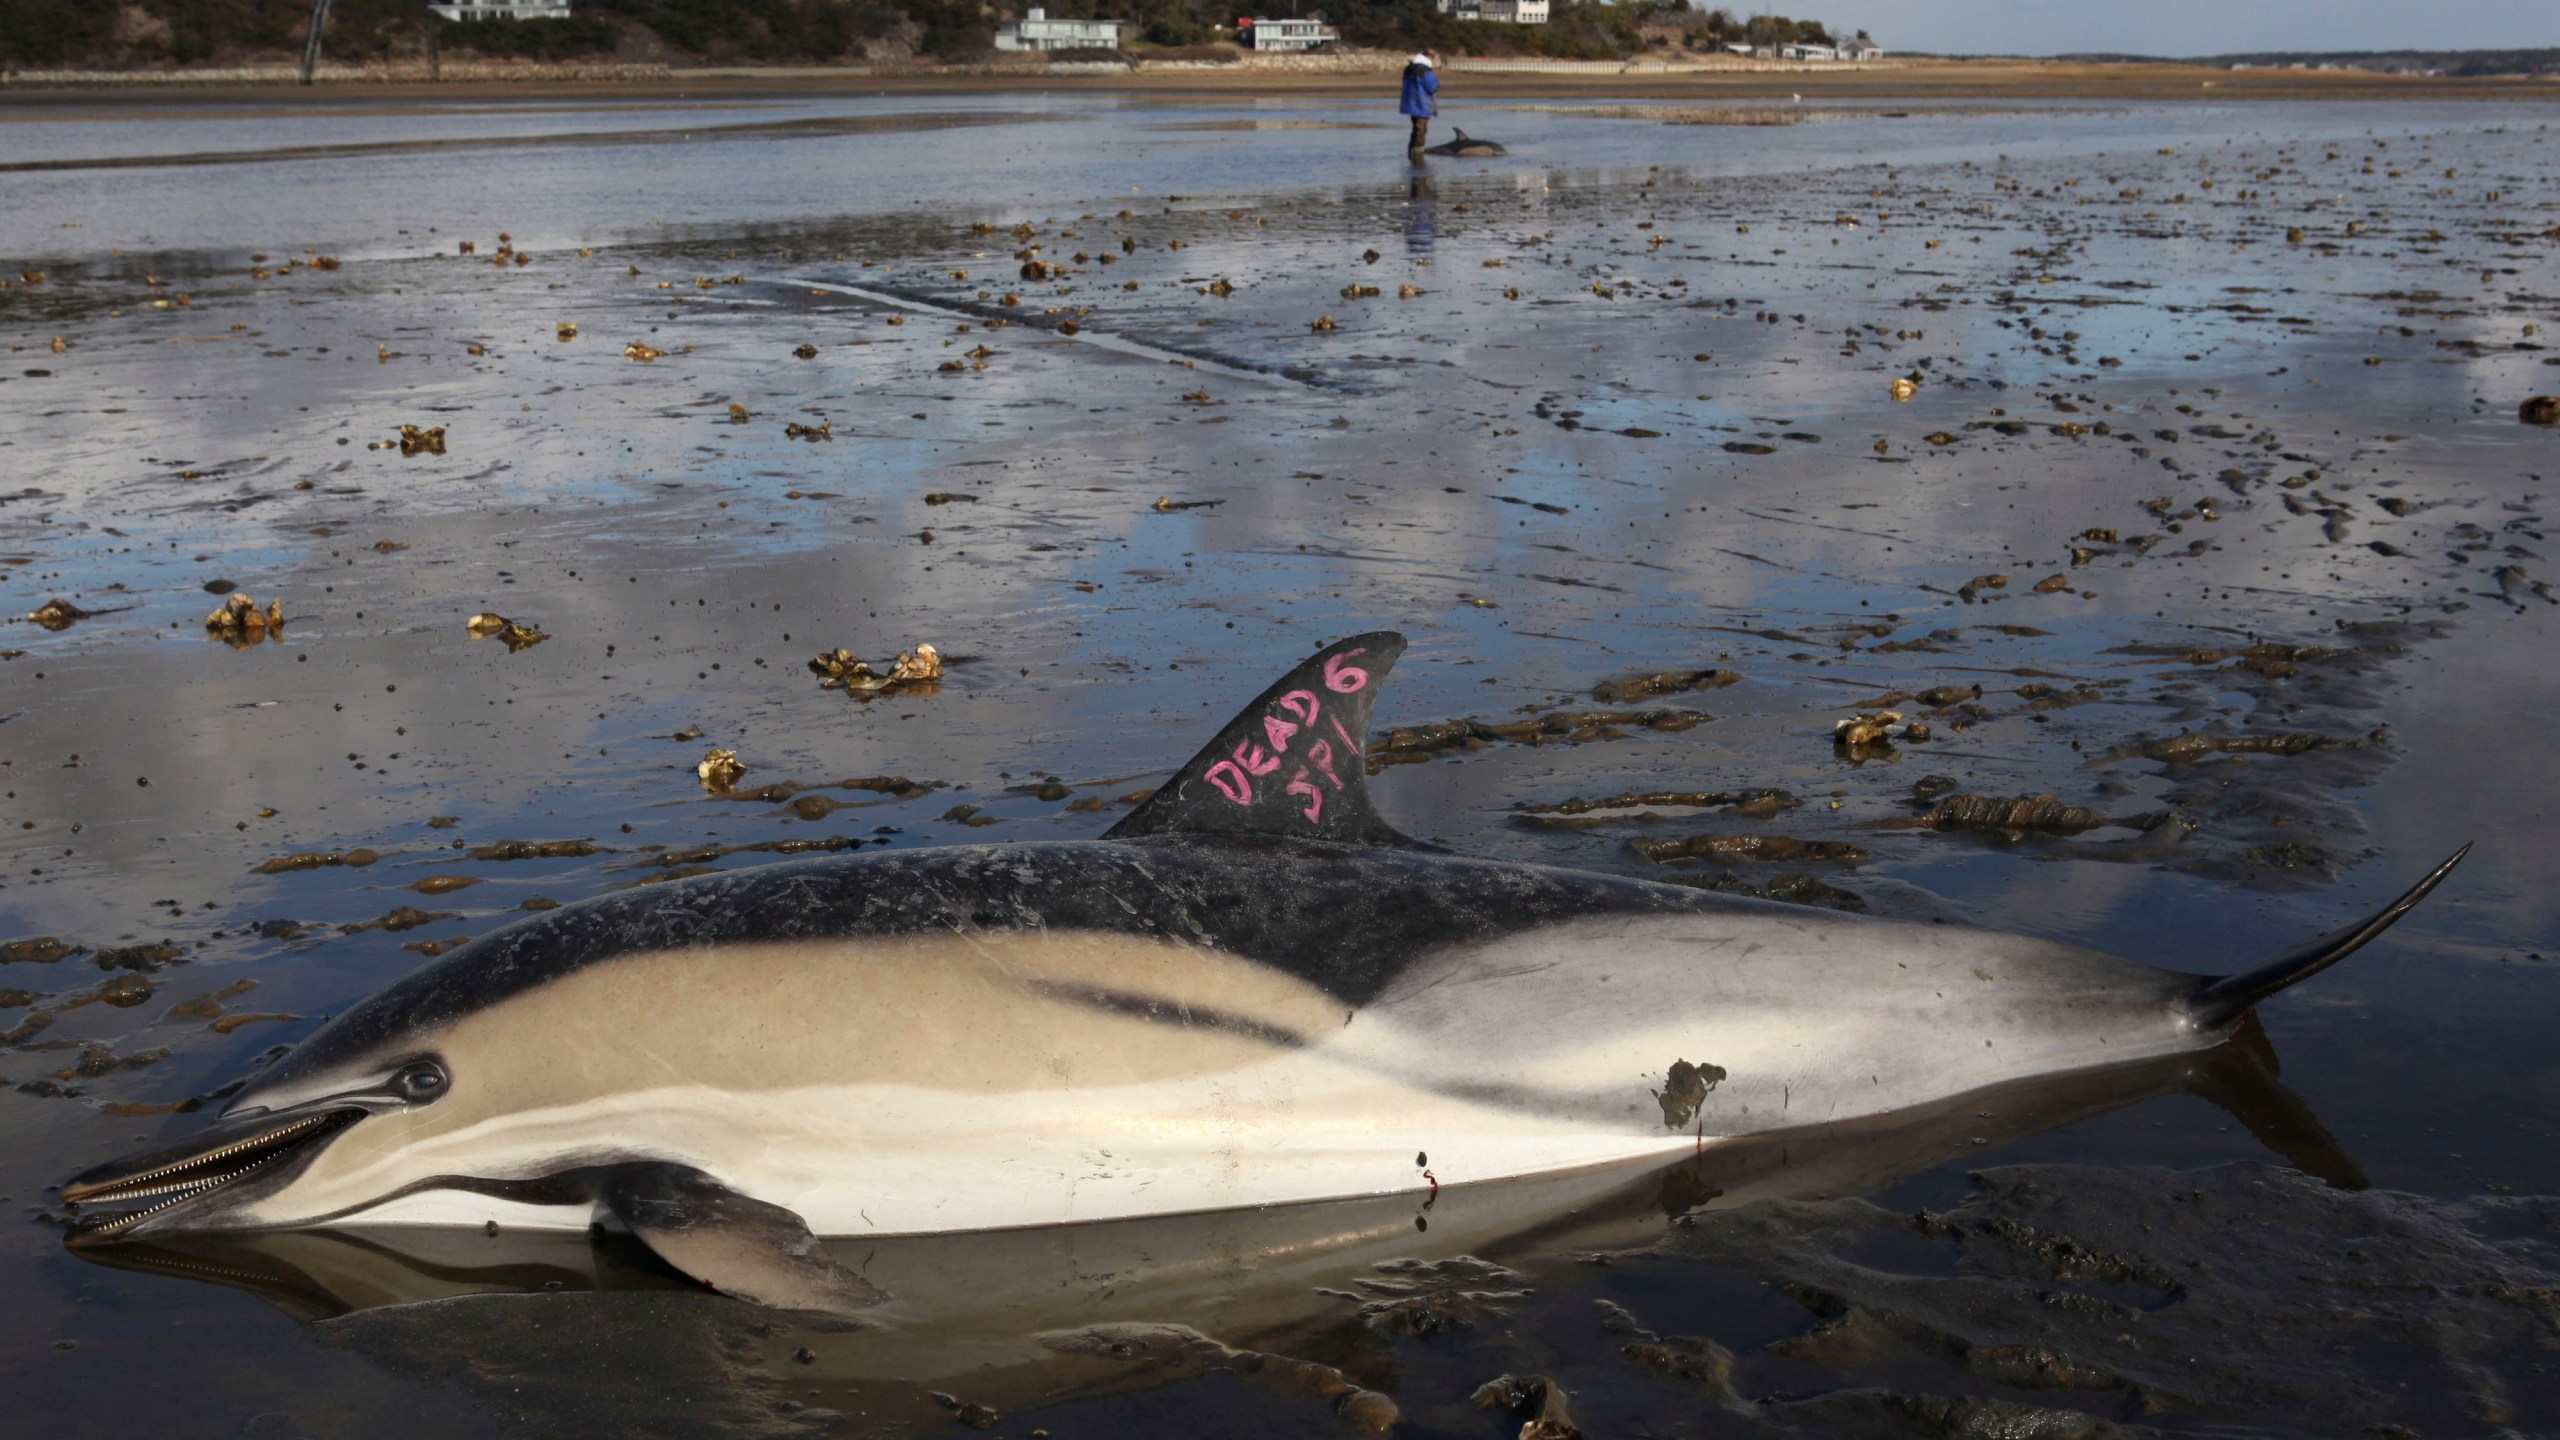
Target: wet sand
[2210,515]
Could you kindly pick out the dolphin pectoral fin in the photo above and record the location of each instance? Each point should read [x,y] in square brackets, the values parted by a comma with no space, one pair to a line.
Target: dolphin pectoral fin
[736,1244]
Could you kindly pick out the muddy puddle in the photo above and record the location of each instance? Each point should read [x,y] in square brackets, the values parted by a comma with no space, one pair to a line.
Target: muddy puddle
[2163,473]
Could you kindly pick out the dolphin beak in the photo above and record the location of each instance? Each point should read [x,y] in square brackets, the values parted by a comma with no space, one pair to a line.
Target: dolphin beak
[124,1194]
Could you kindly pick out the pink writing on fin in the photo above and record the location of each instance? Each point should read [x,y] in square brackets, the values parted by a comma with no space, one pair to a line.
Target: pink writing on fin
[1233,777]
[1321,753]
[1341,676]
[1299,785]
[1348,743]
[1230,782]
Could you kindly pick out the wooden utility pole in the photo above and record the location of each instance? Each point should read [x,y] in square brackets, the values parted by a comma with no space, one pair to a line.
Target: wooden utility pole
[311,44]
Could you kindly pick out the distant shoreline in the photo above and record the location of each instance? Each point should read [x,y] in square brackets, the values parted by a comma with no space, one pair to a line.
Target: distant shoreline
[1917,79]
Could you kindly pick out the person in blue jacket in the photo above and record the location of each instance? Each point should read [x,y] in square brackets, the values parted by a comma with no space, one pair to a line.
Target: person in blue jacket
[1421,83]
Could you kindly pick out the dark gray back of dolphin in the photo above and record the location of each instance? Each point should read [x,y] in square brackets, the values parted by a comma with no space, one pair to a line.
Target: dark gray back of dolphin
[1345,919]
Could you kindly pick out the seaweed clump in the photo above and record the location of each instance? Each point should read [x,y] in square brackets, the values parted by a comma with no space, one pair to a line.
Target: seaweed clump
[241,622]
[920,668]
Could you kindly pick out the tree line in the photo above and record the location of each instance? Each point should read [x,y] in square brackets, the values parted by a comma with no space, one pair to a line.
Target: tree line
[83,33]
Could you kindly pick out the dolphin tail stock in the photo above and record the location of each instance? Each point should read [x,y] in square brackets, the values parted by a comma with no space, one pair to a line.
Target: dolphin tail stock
[1293,763]
[736,1244]
[2219,1002]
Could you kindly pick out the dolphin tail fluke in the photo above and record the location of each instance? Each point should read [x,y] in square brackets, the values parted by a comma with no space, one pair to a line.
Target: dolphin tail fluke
[2217,1003]
[736,1244]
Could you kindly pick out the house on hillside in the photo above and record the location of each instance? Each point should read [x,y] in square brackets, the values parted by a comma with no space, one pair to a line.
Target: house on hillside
[1507,12]
[1036,31]
[1287,34]
[1860,48]
[500,9]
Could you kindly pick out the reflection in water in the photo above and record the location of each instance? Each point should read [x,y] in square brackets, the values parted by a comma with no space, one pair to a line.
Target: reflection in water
[1421,214]
[1017,1318]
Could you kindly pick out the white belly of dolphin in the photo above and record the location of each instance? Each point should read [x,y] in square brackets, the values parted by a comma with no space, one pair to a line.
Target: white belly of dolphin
[902,1160]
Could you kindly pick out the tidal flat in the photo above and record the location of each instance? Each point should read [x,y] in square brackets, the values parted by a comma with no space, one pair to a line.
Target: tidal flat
[2165,469]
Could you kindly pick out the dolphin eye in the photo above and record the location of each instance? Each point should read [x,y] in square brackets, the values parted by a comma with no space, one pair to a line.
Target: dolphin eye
[421,1082]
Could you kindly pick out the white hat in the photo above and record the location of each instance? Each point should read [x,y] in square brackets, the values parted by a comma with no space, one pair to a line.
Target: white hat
[1420,59]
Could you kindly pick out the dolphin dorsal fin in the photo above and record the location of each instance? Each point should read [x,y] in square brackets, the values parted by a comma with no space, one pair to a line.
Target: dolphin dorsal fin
[1294,762]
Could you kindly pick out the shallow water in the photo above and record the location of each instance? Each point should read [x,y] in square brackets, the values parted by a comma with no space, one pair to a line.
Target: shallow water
[1540,490]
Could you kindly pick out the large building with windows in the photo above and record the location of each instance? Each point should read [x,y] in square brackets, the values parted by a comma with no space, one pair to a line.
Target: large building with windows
[1036,31]
[1289,34]
[1508,12]
[501,9]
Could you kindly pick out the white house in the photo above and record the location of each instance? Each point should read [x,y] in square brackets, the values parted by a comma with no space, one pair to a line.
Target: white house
[1859,47]
[1036,31]
[1269,34]
[501,9]
[1508,12]
[1800,50]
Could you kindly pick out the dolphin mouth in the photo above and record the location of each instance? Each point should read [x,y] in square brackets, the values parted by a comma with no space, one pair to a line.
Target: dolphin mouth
[123,1195]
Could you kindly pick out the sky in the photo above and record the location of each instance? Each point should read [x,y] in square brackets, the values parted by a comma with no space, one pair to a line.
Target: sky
[2183,27]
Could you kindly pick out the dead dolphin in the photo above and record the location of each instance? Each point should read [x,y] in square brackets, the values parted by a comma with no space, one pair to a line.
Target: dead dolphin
[1252,991]
[990,1315]
[1466,146]
[1266,1269]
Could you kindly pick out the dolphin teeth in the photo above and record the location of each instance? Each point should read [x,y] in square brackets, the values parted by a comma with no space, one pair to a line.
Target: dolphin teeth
[181,1181]
[291,1130]
[99,1227]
